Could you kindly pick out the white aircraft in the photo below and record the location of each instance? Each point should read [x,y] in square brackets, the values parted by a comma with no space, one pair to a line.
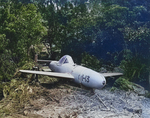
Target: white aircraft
[66,68]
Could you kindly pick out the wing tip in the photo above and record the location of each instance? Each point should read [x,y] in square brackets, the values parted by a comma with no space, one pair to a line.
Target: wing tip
[111,74]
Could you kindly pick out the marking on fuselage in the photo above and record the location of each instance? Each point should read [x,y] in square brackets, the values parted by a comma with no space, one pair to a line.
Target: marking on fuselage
[85,78]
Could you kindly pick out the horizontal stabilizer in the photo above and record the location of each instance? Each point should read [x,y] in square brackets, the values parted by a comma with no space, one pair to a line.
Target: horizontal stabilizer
[52,74]
[111,74]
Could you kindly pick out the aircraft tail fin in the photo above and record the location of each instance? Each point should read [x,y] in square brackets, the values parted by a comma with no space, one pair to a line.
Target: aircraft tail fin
[37,60]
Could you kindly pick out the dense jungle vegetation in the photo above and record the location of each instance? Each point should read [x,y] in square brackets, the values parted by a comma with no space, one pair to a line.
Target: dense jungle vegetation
[115,32]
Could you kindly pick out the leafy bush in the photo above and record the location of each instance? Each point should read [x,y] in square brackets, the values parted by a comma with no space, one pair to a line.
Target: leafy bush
[7,67]
[123,84]
[91,62]
[17,95]
[126,85]
[133,68]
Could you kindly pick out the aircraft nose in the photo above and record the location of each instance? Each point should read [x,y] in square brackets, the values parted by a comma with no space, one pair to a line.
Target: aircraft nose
[100,84]
[104,83]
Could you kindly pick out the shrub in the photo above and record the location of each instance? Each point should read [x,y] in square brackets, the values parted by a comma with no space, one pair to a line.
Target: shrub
[91,62]
[123,84]
[133,68]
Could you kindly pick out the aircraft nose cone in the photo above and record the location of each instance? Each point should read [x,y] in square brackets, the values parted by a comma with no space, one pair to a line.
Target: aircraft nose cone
[101,84]
[104,83]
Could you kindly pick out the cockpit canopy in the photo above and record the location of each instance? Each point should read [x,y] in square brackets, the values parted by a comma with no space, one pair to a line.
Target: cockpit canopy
[66,59]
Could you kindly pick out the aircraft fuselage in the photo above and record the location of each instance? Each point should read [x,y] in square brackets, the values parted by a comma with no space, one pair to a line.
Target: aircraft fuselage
[82,75]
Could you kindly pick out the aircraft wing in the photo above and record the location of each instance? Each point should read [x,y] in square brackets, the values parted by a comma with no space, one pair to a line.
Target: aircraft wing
[111,74]
[47,61]
[53,74]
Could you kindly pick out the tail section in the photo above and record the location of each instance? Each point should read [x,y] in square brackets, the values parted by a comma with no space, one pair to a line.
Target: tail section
[36,59]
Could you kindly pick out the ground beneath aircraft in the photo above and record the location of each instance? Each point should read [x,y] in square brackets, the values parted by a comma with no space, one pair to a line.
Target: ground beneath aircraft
[67,101]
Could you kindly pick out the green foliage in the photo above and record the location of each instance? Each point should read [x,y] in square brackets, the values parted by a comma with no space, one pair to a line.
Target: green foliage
[132,34]
[47,79]
[28,65]
[51,19]
[133,68]
[17,94]
[18,97]
[7,65]
[67,27]
[27,29]
[115,15]
[20,27]
[1,91]
[91,62]
[113,89]
[123,84]
[73,30]
[127,54]
[3,43]
[24,65]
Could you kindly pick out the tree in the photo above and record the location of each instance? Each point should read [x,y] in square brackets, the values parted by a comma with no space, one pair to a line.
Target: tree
[67,26]
[54,28]
[23,29]
[77,33]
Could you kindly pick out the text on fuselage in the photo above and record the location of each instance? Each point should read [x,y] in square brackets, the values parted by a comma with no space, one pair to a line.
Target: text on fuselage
[84,78]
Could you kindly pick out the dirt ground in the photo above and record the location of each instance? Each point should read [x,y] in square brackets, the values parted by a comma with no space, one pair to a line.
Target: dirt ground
[67,101]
